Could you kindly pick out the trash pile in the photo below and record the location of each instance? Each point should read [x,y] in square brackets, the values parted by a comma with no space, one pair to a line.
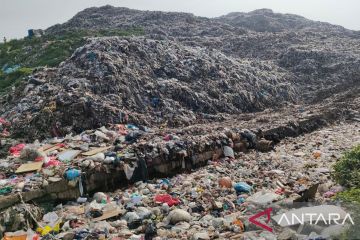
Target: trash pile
[214,201]
[316,56]
[265,20]
[153,23]
[127,148]
[142,81]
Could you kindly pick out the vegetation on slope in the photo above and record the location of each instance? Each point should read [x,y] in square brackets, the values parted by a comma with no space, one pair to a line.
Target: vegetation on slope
[347,169]
[19,57]
[347,173]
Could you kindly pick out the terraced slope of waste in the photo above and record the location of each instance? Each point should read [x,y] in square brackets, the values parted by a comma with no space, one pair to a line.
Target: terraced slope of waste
[151,81]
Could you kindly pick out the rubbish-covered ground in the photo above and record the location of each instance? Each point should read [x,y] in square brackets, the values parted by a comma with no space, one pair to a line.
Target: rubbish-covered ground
[202,182]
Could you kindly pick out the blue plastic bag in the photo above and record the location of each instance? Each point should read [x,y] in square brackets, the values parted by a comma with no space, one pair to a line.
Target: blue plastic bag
[71,174]
[242,187]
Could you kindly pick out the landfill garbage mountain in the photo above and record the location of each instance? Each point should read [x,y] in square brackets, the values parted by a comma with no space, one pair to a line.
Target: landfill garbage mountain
[188,130]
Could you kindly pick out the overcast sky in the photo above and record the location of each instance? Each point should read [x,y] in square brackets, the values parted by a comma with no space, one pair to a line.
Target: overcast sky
[16,16]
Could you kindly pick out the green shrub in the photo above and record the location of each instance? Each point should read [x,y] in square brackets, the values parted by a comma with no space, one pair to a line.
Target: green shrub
[347,169]
[350,196]
[14,78]
[25,71]
[347,173]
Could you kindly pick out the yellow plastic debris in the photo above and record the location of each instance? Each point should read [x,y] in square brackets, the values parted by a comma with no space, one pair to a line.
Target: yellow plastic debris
[47,229]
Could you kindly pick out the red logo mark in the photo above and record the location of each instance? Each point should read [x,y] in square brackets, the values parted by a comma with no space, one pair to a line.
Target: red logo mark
[267,213]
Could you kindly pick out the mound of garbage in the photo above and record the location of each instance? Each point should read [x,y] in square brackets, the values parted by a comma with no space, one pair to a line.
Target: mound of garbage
[316,55]
[265,20]
[154,23]
[114,80]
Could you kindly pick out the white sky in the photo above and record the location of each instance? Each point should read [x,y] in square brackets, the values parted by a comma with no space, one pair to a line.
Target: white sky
[16,16]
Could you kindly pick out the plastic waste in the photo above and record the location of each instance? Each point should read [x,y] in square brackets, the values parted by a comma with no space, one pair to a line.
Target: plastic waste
[240,200]
[51,218]
[131,126]
[242,187]
[131,216]
[99,157]
[164,183]
[167,137]
[129,171]
[136,199]
[150,231]
[317,154]
[21,235]
[16,150]
[228,152]
[240,224]
[329,194]
[81,200]
[72,174]
[99,197]
[178,215]
[5,190]
[48,229]
[68,155]
[52,162]
[225,182]
[30,153]
[4,122]
[166,198]
[12,69]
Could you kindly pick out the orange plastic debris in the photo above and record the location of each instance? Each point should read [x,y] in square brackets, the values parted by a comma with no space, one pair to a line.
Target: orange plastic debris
[317,154]
[225,182]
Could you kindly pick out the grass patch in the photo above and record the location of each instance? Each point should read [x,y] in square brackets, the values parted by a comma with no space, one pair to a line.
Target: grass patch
[347,173]
[347,169]
[13,79]
[349,196]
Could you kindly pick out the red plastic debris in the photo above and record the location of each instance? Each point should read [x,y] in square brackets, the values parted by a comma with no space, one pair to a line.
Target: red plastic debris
[16,150]
[4,122]
[52,162]
[122,129]
[225,182]
[5,133]
[280,191]
[62,145]
[329,194]
[166,198]
[39,159]
[167,137]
